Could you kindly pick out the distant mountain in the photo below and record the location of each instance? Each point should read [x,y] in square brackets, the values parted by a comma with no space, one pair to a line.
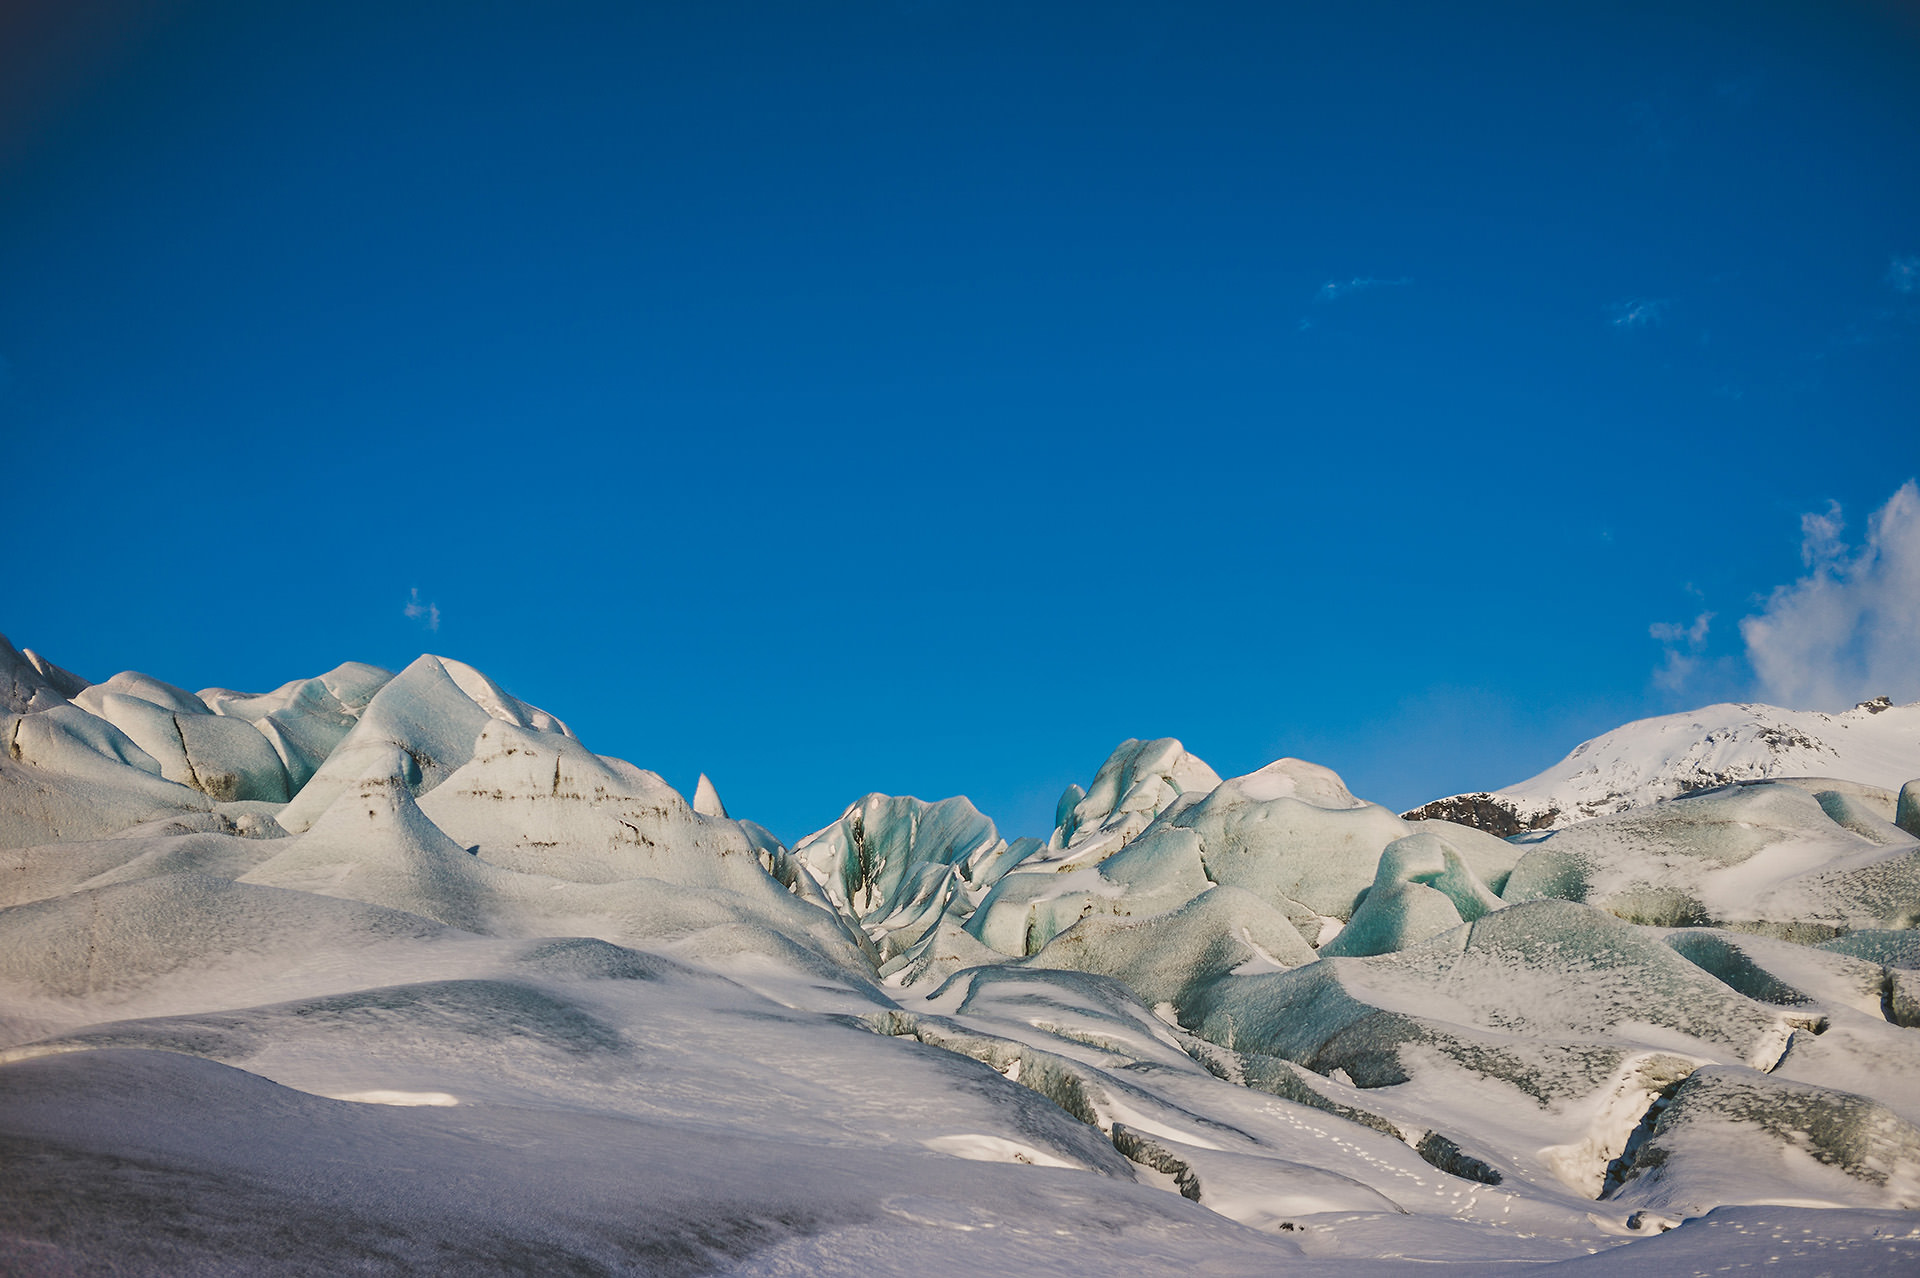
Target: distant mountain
[1875,746]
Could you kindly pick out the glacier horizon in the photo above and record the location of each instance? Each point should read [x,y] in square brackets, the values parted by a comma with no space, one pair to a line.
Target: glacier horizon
[1768,732]
[1338,1034]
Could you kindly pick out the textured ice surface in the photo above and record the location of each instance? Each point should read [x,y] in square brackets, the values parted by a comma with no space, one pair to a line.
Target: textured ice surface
[434,709]
[1139,780]
[29,682]
[1422,887]
[899,866]
[390,973]
[304,719]
[1766,856]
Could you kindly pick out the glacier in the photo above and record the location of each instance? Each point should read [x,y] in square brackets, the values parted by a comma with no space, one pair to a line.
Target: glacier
[390,972]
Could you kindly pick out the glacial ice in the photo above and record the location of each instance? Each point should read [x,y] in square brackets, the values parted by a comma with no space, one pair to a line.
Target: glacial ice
[1206,1026]
[1765,856]
[1737,1136]
[1907,808]
[901,865]
[68,775]
[1139,780]
[29,682]
[306,718]
[1170,957]
[1852,813]
[706,799]
[435,708]
[1422,887]
[373,844]
[222,758]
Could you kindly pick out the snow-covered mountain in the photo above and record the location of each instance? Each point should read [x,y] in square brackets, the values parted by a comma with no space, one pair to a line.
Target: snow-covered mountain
[389,972]
[1874,746]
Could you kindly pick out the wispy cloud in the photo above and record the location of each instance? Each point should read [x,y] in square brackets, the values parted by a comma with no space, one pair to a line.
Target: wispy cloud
[1685,645]
[1820,544]
[427,614]
[1334,290]
[1638,312]
[1903,275]
[1850,628]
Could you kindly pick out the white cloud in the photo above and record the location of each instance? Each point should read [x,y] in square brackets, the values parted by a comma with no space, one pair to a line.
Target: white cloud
[1684,645]
[1638,312]
[1903,274]
[1820,544]
[421,611]
[1850,628]
[1334,290]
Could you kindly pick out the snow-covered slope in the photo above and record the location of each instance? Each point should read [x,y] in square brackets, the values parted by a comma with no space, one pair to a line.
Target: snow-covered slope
[1875,745]
[391,973]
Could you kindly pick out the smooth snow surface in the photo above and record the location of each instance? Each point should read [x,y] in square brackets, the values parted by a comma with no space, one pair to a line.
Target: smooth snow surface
[390,973]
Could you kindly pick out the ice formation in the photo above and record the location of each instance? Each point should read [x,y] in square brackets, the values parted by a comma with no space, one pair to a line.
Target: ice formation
[391,972]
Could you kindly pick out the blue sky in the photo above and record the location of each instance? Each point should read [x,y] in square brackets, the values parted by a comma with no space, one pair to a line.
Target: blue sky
[923,397]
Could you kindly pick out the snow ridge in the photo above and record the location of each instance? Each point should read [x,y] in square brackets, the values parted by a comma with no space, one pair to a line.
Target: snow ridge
[1872,746]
